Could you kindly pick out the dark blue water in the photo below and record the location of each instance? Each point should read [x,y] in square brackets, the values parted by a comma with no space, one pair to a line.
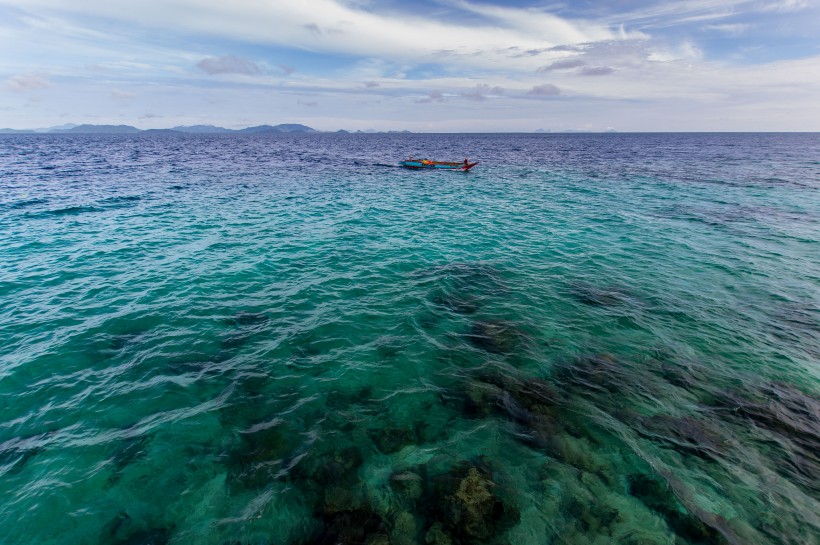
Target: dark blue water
[587,339]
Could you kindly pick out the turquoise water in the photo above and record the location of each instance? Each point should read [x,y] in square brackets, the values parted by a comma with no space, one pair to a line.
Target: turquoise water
[587,339]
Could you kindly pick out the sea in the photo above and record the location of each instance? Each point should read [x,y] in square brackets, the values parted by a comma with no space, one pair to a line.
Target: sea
[288,339]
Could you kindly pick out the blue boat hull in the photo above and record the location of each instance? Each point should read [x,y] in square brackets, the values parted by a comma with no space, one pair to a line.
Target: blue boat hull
[440,165]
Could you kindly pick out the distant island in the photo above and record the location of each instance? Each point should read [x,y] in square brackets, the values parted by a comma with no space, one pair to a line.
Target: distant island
[284,128]
[192,129]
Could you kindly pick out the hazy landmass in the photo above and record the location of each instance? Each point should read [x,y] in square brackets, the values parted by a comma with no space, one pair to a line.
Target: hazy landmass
[284,128]
[193,129]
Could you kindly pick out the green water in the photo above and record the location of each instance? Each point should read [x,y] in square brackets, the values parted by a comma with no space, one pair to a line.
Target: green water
[587,339]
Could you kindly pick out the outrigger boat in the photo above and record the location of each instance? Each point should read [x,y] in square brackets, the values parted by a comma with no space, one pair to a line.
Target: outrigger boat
[441,165]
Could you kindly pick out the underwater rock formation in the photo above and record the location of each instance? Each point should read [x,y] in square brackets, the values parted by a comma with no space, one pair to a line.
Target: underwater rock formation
[592,295]
[497,336]
[688,435]
[466,508]
[592,375]
[659,497]
[787,414]
[355,527]
[13,460]
[246,319]
[123,530]
[502,388]
[464,288]
[327,477]
[259,455]
[390,439]
[458,304]
[437,535]
[130,450]
[245,325]
[408,485]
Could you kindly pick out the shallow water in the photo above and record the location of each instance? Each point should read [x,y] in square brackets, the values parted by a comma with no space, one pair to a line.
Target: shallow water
[587,339]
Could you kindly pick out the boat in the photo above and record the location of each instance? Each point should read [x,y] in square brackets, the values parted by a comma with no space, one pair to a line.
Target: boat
[418,164]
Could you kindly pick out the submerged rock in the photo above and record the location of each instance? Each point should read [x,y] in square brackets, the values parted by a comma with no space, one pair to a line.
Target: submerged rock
[437,535]
[481,399]
[687,435]
[234,340]
[154,536]
[405,529]
[356,527]
[464,277]
[473,508]
[13,460]
[325,468]
[245,319]
[464,288]
[245,325]
[389,346]
[660,498]
[780,408]
[505,389]
[601,373]
[467,508]
[496,336]
[122,530]
[391,439]
[592,295]
[790,415]
[260,455]
[408,485]
[458,304]
[342,498]
[130,451]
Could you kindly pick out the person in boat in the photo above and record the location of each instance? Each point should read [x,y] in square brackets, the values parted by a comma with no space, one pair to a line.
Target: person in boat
[465,162]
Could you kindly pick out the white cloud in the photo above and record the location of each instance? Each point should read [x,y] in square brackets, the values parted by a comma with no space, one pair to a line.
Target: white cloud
[784,6]
[685,51]
[732,29]
[27,82]
[333,26]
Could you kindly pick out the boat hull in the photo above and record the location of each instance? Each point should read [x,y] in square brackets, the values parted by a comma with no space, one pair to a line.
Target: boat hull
[439,165]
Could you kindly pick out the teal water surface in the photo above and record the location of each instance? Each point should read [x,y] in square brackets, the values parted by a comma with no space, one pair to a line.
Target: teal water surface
[588,339]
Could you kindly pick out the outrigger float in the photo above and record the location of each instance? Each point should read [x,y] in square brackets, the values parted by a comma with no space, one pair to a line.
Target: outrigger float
[417,164]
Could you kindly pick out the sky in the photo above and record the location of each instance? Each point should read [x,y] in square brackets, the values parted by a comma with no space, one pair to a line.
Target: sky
[423,66]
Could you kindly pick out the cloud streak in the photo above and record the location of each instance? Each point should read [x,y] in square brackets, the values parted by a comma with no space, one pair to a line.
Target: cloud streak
[595,71]
[229,64]
[27,82]
[481,92]
[343,28]
[566,64]
[434,96]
